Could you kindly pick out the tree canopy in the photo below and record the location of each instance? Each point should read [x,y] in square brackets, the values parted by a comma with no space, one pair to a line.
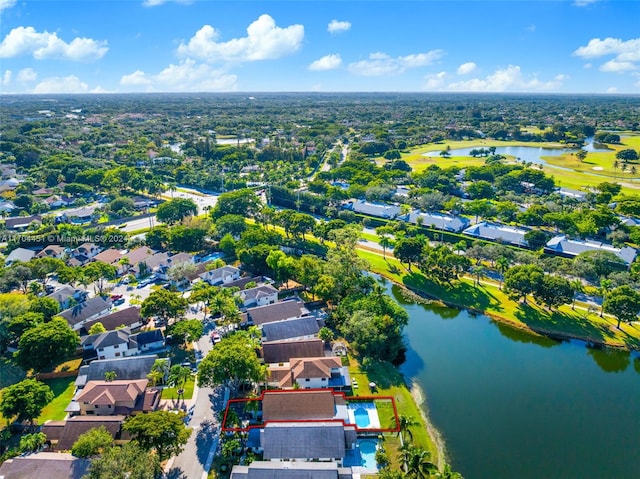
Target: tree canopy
[25,400]
[161,431]
[46,345]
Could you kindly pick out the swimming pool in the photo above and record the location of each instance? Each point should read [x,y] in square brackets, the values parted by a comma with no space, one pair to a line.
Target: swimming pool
[211,256]
[361,417]
[368,449]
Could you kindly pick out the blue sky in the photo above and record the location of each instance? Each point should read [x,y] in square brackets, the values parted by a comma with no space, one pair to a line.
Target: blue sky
[570,46]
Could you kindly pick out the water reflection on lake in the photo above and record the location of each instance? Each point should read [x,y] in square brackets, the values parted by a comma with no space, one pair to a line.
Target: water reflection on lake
[512,405]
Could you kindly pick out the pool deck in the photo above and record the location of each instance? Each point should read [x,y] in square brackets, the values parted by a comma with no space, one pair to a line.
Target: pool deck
[374,419]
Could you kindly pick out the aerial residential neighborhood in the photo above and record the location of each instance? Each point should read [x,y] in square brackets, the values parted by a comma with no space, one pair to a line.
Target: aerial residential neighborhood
[319,240]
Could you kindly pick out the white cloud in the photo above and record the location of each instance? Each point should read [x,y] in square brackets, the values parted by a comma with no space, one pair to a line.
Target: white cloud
[186,76]
[509,79]
[617,66]
[136,78]
[466,68]
[435,81]
[327,62]
[70,84]
[27,75]
[629,50]
[336,26]
[612,89]
[264,41]
[588,66]
[382,64]
[6,78]
[584,3]
[5,4]
[626,54]
[561,77]
[45,45]
[155,3]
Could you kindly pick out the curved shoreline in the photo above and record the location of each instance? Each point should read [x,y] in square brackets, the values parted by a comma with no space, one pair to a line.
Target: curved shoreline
[419,398]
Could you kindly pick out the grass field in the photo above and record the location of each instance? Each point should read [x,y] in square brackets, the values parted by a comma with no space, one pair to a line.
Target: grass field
[63,389]
[172,393]
[389,382]
[586,175]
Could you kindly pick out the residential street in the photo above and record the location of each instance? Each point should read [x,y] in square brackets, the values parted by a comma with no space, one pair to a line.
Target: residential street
[195,460]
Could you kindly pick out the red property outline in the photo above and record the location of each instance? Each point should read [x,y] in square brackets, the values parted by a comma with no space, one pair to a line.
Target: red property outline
[334,393]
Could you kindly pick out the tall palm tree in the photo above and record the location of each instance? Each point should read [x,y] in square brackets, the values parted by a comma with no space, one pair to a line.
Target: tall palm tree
[448,473]
[404,423]
[578,288]
[502,263]
[605,287]
[178,377]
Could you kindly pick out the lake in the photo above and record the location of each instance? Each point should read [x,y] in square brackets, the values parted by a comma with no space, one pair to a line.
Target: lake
[511,405]
[531,154]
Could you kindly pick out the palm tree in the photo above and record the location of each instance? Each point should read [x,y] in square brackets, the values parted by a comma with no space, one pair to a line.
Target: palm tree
[385,242]
[417,462]
[478,270]
[178,377]
[159,371]
[502,263]
[110,376]
[448,473]
[578,288]
[404,423]
[605,287]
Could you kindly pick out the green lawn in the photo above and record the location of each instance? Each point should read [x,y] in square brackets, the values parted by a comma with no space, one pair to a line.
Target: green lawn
[172,393]
[63,389]
[389,382]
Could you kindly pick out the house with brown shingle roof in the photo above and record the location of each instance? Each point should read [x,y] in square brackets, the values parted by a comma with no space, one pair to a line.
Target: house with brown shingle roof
[110,256]
[276,312]
[63,434]
[299,405]
[128,317]
[108,398]
[310,373]
[283,351]
[52,251]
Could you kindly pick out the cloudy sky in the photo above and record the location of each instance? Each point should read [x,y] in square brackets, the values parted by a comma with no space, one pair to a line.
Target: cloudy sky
[568,46]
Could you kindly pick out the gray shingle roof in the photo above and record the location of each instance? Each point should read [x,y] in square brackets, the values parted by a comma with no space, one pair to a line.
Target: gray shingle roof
[135,367]
[287,470]
[570,247]
[497,232]
[84,310]
[442,222]
[381,210]
[290,328]
[276,312]
[108,338]
[303,441]
[19,254]
[44,464]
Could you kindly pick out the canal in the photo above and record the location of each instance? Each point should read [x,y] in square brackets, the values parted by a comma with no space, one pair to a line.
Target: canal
[511,405]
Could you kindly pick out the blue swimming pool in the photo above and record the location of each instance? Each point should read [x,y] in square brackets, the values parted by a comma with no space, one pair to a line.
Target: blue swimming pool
[211,256]
[368,449]
[361,417]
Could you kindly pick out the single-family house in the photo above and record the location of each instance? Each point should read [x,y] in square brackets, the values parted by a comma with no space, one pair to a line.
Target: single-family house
[121,342]
[291,470]
[629,221]
[7,206]
[283,351]
[222,275]
[19,255]
[310,373]
[134,367]
[84,311]
[301,405]
[381,210]
[85,252]
[63,434]
[498,232]
[439,221]
[118,397]
[165,264]
[127,317]
[52,251]
[275,312]
[21,223]
[295,328]
[51,465]
[56,201]
[317,441]
[66,296]
[258,296]
[85,214]
[569,248]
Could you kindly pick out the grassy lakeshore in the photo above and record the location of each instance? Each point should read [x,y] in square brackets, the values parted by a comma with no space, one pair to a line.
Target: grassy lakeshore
[488,299]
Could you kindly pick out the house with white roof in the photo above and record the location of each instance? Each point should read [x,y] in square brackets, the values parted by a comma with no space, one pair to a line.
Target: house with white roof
[498,232]
[381,210]
[21,255]
[569,248]
[439,221]
[225,274]
[258,296]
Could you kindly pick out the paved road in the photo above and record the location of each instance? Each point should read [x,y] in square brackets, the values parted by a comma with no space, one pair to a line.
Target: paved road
[195,460]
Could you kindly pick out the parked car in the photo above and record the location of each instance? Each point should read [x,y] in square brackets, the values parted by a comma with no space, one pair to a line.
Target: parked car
[215,337]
